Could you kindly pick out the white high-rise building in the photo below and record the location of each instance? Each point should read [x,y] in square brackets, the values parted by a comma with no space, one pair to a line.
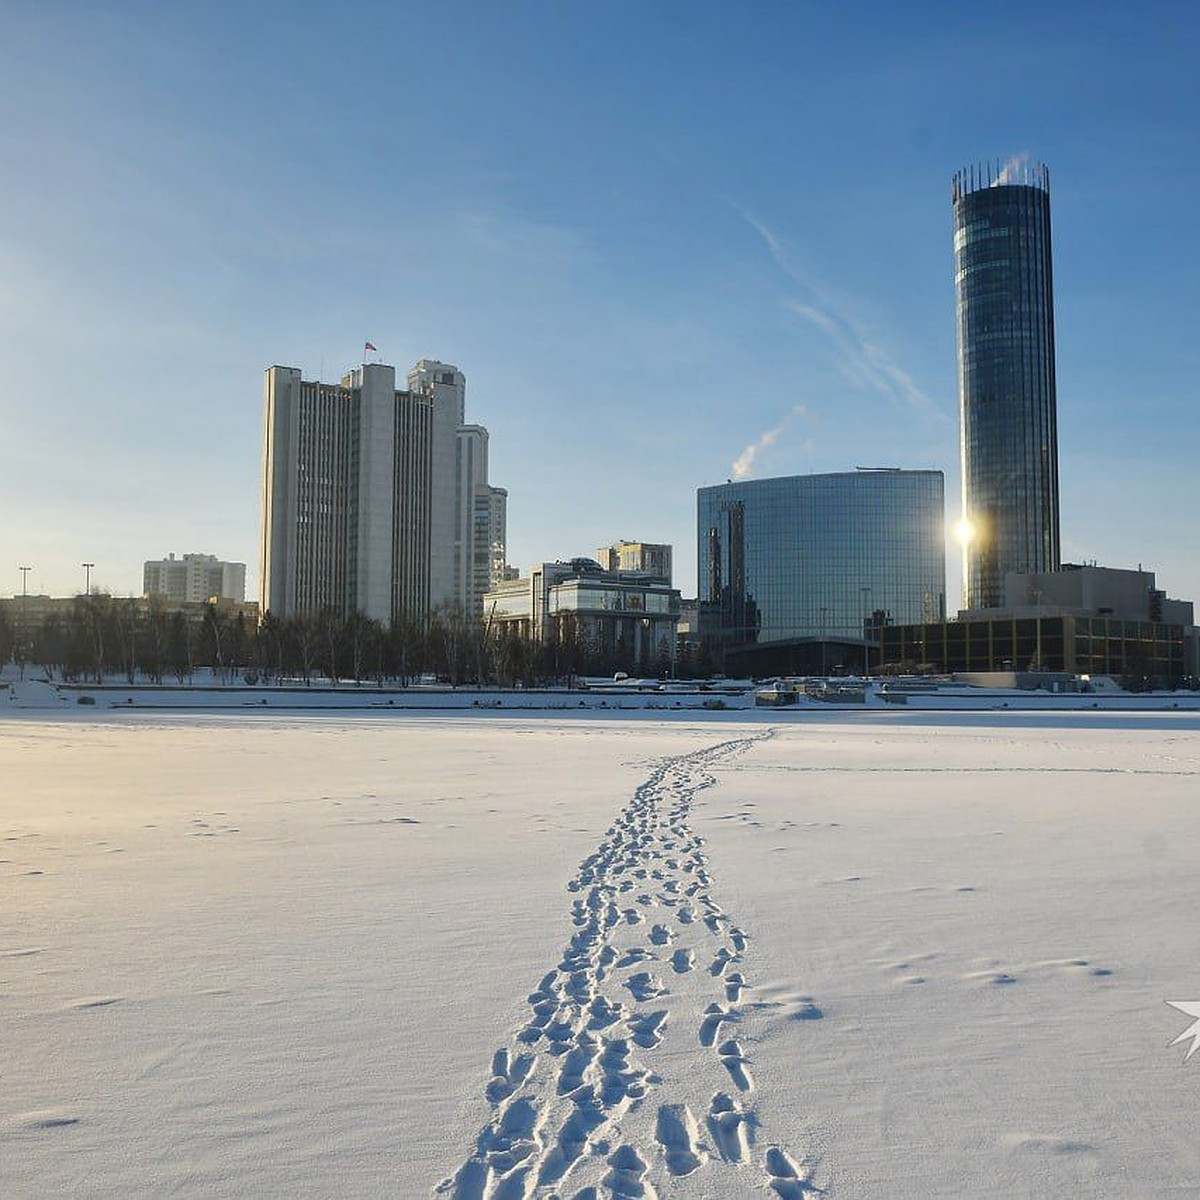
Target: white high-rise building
[472,543]
[194,578]
[356,511]
[490,565]
[369,493]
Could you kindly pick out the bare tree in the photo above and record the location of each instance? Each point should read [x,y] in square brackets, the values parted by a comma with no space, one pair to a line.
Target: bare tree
[216,626]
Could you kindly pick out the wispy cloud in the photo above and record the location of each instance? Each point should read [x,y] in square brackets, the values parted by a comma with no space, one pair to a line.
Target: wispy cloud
[743,465]
[860,358]
[509,235]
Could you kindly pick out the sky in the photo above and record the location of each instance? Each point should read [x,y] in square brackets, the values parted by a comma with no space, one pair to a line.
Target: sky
[668,243]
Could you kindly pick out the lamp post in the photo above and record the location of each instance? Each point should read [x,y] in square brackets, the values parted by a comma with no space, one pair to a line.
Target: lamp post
[24,614]
[824,611]
[866,591]
[87,578]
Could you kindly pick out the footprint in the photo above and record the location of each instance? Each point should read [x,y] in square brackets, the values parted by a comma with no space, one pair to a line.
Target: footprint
[626,1179]
[503,1158]
[785,1176]
[576,1063]
[682,961]
[645,986]
[620,1080]
[507,1075]
[729,1127]
[679,1138]
[660,935]
[720,961]
[574,1139]
[647,1029]
[714,1014]
[604,1013]
[734,986]
[734,1060]
[634,956]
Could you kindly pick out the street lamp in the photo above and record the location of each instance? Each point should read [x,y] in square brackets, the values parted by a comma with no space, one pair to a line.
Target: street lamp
[24,613]
[866,591]
[824,610]
[87,578]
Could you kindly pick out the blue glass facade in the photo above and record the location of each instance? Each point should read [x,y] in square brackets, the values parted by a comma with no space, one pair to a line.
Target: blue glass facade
[1006,376]
[816,556]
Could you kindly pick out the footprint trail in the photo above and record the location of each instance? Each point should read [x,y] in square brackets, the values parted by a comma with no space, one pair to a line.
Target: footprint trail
[578,1108]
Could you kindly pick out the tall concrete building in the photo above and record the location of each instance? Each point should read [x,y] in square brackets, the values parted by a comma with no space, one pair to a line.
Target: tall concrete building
[370,494]
[357,504]
[1009,435]
[447,386]
[194,578]
[465,490]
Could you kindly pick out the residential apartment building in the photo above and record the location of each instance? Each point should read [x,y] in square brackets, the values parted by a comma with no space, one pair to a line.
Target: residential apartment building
[193,579]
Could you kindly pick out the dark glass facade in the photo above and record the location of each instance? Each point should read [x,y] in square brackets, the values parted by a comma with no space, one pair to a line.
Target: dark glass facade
[1088,645]
[1006,376]
[820,556]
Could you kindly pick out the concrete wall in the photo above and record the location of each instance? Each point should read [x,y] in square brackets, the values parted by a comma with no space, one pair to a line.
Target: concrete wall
[277,545]
[376,482]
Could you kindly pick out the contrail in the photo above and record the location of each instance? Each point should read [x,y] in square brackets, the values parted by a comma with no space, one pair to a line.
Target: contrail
[860,359]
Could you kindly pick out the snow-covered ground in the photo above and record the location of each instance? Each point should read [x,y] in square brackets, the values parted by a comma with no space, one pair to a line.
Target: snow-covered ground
[598,954]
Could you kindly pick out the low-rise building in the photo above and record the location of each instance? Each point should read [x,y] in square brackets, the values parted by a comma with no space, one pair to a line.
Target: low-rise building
[1088,620]
[630,615]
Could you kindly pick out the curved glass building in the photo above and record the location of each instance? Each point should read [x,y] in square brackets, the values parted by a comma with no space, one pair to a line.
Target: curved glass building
[1009,436]
[820,556]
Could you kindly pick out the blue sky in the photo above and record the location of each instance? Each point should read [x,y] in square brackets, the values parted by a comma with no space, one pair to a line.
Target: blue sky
[653,235]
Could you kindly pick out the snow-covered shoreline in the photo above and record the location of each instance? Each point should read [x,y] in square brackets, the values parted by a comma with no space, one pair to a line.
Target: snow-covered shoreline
[41,694]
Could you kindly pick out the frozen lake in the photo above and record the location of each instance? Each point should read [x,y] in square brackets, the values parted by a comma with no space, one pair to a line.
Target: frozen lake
[598,955]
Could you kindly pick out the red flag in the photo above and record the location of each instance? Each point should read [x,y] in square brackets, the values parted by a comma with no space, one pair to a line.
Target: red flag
[368,346]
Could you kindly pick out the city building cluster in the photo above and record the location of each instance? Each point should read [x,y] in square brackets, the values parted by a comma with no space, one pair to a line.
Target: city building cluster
[377,506]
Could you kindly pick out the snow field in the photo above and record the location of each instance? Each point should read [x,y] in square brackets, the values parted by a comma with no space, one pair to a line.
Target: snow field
[492,956]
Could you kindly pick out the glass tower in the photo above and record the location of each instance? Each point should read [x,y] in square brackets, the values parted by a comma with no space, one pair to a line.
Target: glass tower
[821,556]
[1009,437]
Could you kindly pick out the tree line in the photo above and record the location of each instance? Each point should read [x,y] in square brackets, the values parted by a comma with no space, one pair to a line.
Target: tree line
[99,636]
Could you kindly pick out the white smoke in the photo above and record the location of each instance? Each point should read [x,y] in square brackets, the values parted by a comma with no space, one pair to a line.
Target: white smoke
[743,465]
[1015,169]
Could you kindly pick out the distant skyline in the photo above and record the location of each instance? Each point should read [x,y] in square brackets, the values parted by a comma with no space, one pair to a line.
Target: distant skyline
[668,245]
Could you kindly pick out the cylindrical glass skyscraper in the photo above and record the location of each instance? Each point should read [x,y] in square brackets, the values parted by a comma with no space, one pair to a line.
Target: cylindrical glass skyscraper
[1008,425]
